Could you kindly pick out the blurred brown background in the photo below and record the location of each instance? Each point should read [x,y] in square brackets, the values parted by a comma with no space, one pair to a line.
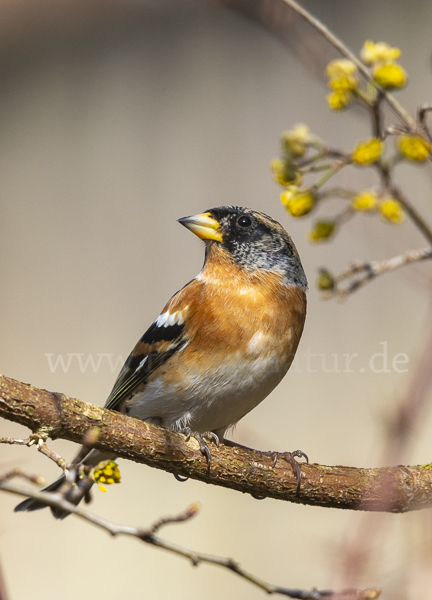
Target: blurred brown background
[116,119]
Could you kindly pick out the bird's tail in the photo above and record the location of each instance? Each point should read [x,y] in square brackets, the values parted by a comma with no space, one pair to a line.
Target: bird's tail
[74,494]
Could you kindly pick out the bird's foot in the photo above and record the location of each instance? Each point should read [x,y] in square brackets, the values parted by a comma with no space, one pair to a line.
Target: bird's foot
[205,450]
[290,457]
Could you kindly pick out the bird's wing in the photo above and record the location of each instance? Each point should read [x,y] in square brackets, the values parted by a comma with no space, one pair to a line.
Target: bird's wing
[161,341]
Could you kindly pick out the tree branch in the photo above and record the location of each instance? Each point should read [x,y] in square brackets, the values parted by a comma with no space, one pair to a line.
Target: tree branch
[361,273]
[388,489]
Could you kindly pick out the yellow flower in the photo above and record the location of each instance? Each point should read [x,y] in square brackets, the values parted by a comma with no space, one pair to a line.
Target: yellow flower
[379,52]
[325,280]
[367,152]
[295,141]
[297,202]
[321,231]
[106,472]
[342,80]
[338,100]
[365,201]
[391,211]
[343,84]
[390,75]
[414,147]
[285,172]
[340,67]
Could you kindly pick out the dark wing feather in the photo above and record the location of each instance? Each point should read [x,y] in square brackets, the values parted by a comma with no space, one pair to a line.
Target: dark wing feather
[140,365]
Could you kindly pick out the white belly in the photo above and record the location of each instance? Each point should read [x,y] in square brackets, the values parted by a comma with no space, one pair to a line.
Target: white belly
[210,403]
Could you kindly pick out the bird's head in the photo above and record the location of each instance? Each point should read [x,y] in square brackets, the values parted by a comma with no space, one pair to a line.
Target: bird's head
[250,238]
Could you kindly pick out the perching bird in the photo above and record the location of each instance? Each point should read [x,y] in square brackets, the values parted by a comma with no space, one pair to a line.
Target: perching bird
[223,342]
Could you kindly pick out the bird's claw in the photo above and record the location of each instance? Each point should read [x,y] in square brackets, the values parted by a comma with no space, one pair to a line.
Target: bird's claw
[205,450]
[290,457]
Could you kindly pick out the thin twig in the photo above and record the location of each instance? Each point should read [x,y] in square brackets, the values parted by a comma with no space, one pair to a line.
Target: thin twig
[376,116]
[17,472]
[361,273]
[181,518]
[10,440]
[422,112]
[412,213]
[35,439]
[340,192]
[335,168]
[49,453]
[148,536]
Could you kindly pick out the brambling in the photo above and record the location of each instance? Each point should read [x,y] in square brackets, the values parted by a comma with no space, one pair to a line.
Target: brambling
[223,342]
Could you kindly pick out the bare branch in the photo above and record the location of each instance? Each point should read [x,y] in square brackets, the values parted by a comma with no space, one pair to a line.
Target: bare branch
[412,212]
[17,472]
[421,115]
[388,489]
[38,439]
[43,449]
[181,518]
[148,536]
[10,440]
[361,273]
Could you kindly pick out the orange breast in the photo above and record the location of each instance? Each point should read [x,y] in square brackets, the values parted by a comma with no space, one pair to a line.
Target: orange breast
[241,332]
[251,313]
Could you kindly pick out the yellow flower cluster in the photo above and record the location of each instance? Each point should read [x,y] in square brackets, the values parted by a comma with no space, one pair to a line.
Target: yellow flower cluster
[390,76]
[325,280]
[385,70]
[107,472]
[414,147]
[380,52]
[297,202]
[295,144]
[303,154]
[389,209]
[295,141]
[321,231]
[365,201]
[343,81]
[285,172]
[343,74]
[367,152]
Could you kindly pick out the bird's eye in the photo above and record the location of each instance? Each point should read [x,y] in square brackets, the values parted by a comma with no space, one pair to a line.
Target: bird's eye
[244,221]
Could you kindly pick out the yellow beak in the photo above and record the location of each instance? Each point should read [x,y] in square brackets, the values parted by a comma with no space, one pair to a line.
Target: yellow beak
[204,226]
